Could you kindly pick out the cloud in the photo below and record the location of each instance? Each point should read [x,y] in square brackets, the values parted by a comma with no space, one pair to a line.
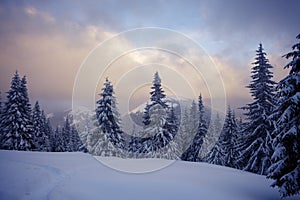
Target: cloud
[47,53]
[33,12]
[48,40]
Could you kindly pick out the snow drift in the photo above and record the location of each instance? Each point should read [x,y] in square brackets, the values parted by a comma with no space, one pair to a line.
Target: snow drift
[37,175]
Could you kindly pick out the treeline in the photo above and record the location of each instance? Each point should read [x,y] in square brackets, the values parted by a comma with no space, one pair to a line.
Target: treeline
[28,129]
[267,143]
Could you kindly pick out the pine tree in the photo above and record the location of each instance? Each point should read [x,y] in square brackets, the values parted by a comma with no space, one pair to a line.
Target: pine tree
[76,142]
[216,155]
[211,137]
[229,140]
[66,135]
[157,93]
[192,153]
[163,144]
[107,119]
[285,168]
[184,131]
[109,133]
[146,115]
[157,98]
[39,123]
[1,111]
[256,149]
[224,152]
[59,145]
[194,118]
[16,120]
[1,104]
[50,134]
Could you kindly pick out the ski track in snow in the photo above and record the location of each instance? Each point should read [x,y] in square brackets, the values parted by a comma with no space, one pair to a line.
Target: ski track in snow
[54,175]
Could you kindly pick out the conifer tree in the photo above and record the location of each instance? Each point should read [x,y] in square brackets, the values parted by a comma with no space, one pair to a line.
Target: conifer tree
[229,140]
[59,144]
[285,168]
[16,119]
[256,150]
[157,93]
[224,152]
[146,115]
[1,111]
[107,119]
[164,139]
[108,137]
[76,142]
[66,135]
[184,131]
[192,153]
[194,118]
[39,127]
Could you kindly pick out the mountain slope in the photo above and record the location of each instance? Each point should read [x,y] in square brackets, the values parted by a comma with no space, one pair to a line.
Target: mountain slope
[36,175]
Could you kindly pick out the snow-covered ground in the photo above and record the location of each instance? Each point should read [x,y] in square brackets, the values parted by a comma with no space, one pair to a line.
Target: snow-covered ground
[37,175]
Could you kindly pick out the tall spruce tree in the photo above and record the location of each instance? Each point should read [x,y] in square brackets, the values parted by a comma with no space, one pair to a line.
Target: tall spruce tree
[285,168]
[157,98]
[16,119]
[256,150]
[192,153]
[108,122]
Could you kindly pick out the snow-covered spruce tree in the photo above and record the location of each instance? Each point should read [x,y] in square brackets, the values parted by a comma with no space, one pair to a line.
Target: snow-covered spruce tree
[188,127]
[146,115]
[184,131]
[285,168]
[194,118]
[39,123]
[1,103]
[1,111]
[256,150]
[164,139]
[156,110]
[75,140]
[50,133]
[229,140]
[16,120]
[108,137]
[224,152]
[192,153]
[212,136]
[66,135]
[161,126]
[59,145]
[157,93]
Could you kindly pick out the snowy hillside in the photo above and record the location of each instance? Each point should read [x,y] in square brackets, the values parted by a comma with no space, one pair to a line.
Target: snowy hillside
[36,175]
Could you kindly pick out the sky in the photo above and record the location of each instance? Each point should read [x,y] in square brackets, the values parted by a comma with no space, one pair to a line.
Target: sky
[49,41]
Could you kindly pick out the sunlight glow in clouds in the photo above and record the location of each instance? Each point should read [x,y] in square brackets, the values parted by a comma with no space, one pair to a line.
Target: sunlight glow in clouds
[48,41]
